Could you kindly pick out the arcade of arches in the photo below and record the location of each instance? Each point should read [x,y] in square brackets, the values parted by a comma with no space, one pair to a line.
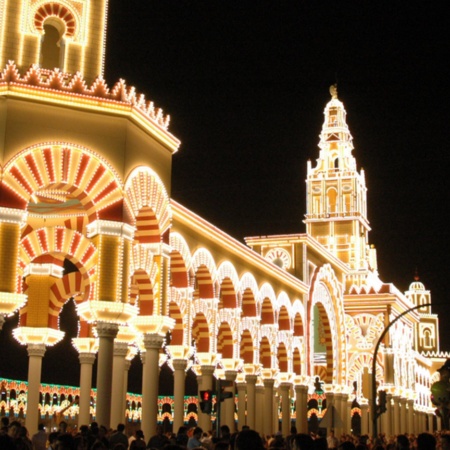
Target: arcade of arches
[87,217]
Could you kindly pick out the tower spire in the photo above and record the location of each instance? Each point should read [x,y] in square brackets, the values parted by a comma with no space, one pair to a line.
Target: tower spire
[337,195]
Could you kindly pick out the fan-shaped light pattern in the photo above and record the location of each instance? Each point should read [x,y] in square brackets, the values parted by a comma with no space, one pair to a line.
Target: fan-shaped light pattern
[363,360]
[225,341]
[65,169]
[246,347]
[265,354]
[70,285]
[284,322]
[200,333]
[282,358]
[78,249]
[58,10]
[142,281]
[321,372]
[267,312]
[248,303]
[296,361]
[228,298]
[178,330]
[148,201]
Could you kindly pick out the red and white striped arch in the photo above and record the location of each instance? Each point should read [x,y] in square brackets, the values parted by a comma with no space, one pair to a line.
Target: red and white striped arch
[229,281]
[204,267]
[70,285]
[267,294]
[180,261]
[60,10]
[225,341]
[363,360]
[201,334]
[59,240]
[178,311]
[248,290]
[326,294]
[64,169]
[148,202]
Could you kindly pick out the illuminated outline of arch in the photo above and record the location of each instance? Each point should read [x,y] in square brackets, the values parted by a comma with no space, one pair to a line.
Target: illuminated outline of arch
[60,10]
[65,167]
[144,188]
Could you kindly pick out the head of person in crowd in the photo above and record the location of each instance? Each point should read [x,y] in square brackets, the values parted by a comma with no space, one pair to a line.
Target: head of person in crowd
[303,441]
[248,440]
[347,445]
[402,442]
[426,441]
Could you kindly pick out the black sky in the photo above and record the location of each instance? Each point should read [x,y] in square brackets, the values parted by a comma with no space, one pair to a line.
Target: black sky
[246,82]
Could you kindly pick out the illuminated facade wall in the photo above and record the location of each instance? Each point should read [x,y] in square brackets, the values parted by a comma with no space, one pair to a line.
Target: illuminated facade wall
[86,214]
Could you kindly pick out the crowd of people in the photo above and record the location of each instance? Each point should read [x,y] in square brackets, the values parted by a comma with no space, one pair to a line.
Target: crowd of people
[14,436]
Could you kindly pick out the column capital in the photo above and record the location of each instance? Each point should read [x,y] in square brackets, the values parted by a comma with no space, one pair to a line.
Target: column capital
[36,350]
[251,379]
[120,348]
[179,364]
[207,369]
[153,341]
[268,382]
[86,358]
[230,375]
[107,329]
[301,388]
[284,385]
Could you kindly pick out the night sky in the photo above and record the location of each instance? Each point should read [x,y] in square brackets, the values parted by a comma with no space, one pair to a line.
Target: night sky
[246,83]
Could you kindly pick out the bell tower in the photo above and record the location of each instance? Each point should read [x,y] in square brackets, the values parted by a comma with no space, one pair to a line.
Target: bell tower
[336,193]
[64,34]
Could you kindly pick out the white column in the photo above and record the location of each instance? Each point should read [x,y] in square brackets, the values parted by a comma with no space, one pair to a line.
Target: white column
[125,384]
[251,400]
[259,419]
[241,387]
[179,377]
[285,408]
[86,363]
[268,406]
[430,422]
[403,413]
[117,401]
[301,408]
[35,354]
[411,417]
[230,408]
[345,414]
[396,414]
[386,418]
[150,383]
[106,333]
[204,420]
[364,418]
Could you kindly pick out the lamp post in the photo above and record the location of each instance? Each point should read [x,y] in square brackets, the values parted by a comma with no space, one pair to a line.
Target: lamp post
[376,414]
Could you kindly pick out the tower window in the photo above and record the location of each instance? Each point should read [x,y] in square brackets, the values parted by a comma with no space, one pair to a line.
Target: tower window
[52,47]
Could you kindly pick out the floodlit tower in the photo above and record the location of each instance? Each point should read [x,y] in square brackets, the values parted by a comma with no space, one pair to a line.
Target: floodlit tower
[337,195]
[426,334]
[64,34]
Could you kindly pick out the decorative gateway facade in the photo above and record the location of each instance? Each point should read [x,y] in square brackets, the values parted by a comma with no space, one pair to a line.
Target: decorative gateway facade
[86,214]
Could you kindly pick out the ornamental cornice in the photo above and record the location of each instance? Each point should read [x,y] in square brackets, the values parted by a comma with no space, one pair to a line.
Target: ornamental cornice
[56,87]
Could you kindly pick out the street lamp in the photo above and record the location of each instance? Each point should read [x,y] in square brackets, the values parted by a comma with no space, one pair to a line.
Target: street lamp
[376,414]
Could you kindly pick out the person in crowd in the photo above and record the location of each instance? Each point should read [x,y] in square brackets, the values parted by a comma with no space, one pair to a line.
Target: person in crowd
[194,441]
[248,440]
[139,442]
[118,437]
[426,441]
[302,441]
[39,439]
[332,441]
[159,440]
